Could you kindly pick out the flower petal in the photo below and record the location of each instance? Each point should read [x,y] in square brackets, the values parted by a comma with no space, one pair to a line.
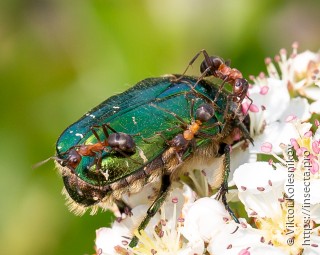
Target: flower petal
[204,218]
[107,239]
[312,92]
[305,191]
[278,92]
[260,187]
[315,107]
[235,239]
[299,107]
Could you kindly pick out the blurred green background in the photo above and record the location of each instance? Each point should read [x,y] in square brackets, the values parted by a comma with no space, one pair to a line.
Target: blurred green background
[58,59]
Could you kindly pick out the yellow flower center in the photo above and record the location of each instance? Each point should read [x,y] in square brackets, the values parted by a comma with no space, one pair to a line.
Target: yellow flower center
[284,230]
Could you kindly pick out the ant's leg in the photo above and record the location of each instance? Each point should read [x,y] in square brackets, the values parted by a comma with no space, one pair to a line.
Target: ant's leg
[172,113]
[94,132]
[98,160]
[191,110]
[206,57]
[105,131]
[220,89]
[251,102]
[205,135]
[127,156]
[123,208]
[108,126]
[160,134]
[216,107]
[212,126]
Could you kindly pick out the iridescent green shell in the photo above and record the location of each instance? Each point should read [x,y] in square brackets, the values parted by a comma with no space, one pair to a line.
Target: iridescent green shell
[140,113]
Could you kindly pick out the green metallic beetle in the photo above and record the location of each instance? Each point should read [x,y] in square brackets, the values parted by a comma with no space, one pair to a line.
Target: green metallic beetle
[154,132]
[143,136]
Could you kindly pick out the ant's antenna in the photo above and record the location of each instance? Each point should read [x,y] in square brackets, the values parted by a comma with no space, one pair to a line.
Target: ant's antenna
[45,161]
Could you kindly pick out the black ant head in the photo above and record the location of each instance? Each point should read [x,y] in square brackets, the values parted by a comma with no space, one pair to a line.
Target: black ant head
[240,88]
[72,160]
[68,158]
[179,142]
[210,65]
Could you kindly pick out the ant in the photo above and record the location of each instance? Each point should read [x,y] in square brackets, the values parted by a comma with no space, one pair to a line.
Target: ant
[182,141]
[217,67]
[117,141]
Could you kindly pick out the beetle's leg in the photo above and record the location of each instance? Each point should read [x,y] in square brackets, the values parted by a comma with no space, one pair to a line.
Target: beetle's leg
[123,208]
[154,208]
[223,190]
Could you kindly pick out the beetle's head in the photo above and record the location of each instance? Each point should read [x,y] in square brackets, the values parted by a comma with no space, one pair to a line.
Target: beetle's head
[82,196]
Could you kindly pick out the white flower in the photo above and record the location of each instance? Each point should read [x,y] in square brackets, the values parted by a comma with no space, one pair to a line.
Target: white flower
[277,96]
[253,178]
[298,71]
[204,218]
[281,200]
[241,240]
[301,157]
[281,220]
[162,235]
[273,106]
[110,241]
[306,172]
[315,106]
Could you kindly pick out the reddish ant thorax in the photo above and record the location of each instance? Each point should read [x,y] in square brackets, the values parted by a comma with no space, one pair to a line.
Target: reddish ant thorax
[228,73]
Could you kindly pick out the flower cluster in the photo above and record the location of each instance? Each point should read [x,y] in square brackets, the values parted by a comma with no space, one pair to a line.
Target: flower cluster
[277,199]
